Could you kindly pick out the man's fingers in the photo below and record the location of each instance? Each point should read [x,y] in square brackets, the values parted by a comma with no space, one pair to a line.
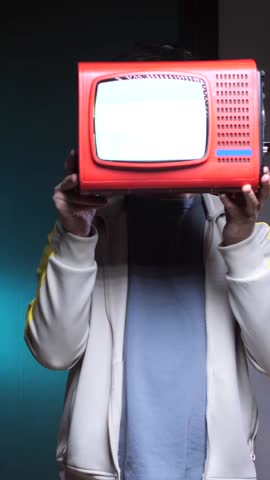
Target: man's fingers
[264,191]
[71,163]
[227,202]
[69,183]
[67,191]
[239,204]
[233,201]
[71,209]
[87,201]
[252,202]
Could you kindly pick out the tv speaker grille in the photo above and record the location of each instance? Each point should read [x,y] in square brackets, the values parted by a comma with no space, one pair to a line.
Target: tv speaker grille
[233,160]
[232,106]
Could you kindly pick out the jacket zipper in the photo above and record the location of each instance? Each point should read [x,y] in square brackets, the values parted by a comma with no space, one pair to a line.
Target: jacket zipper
[209,234]
[111,443]
[117,472]
[207,430]
[253,436]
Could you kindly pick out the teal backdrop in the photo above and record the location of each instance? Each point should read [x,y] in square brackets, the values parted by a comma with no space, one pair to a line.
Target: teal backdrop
[39,54]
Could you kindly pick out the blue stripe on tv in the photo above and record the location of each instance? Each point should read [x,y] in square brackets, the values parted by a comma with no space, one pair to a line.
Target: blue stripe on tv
[234,153]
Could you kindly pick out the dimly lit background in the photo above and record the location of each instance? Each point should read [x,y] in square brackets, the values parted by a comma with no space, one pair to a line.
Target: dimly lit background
[40,49]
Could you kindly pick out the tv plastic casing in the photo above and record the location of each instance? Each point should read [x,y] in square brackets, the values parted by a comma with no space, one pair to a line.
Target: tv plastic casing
[235,129]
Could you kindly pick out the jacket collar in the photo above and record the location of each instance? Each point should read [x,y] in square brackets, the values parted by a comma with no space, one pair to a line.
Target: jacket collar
[213,205]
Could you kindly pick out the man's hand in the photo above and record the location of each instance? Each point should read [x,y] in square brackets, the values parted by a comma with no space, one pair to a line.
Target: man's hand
[242,210]
[75,211]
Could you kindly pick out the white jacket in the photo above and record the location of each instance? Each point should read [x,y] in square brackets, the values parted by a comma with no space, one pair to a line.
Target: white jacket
[77,319]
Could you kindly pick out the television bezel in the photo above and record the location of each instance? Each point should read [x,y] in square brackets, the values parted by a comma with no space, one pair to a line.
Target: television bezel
[146,164]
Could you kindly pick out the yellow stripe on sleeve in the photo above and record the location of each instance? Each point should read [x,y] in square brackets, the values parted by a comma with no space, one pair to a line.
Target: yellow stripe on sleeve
[48,251]
[264,223]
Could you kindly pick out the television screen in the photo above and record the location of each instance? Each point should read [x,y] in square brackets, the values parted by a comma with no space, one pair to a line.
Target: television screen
[151,118]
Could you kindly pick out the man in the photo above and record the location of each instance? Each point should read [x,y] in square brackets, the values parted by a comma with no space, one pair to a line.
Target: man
[155,304]
[77,321]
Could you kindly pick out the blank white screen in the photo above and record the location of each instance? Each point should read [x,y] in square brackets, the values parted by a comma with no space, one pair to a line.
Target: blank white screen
[147,120]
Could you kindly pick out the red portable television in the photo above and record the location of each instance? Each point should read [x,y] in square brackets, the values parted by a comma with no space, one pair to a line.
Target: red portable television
[170,125]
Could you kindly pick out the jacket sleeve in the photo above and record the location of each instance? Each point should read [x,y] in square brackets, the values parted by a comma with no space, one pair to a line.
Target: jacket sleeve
[57,319]
[248,277]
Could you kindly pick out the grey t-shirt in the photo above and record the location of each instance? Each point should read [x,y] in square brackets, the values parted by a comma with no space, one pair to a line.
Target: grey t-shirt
[163,426]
